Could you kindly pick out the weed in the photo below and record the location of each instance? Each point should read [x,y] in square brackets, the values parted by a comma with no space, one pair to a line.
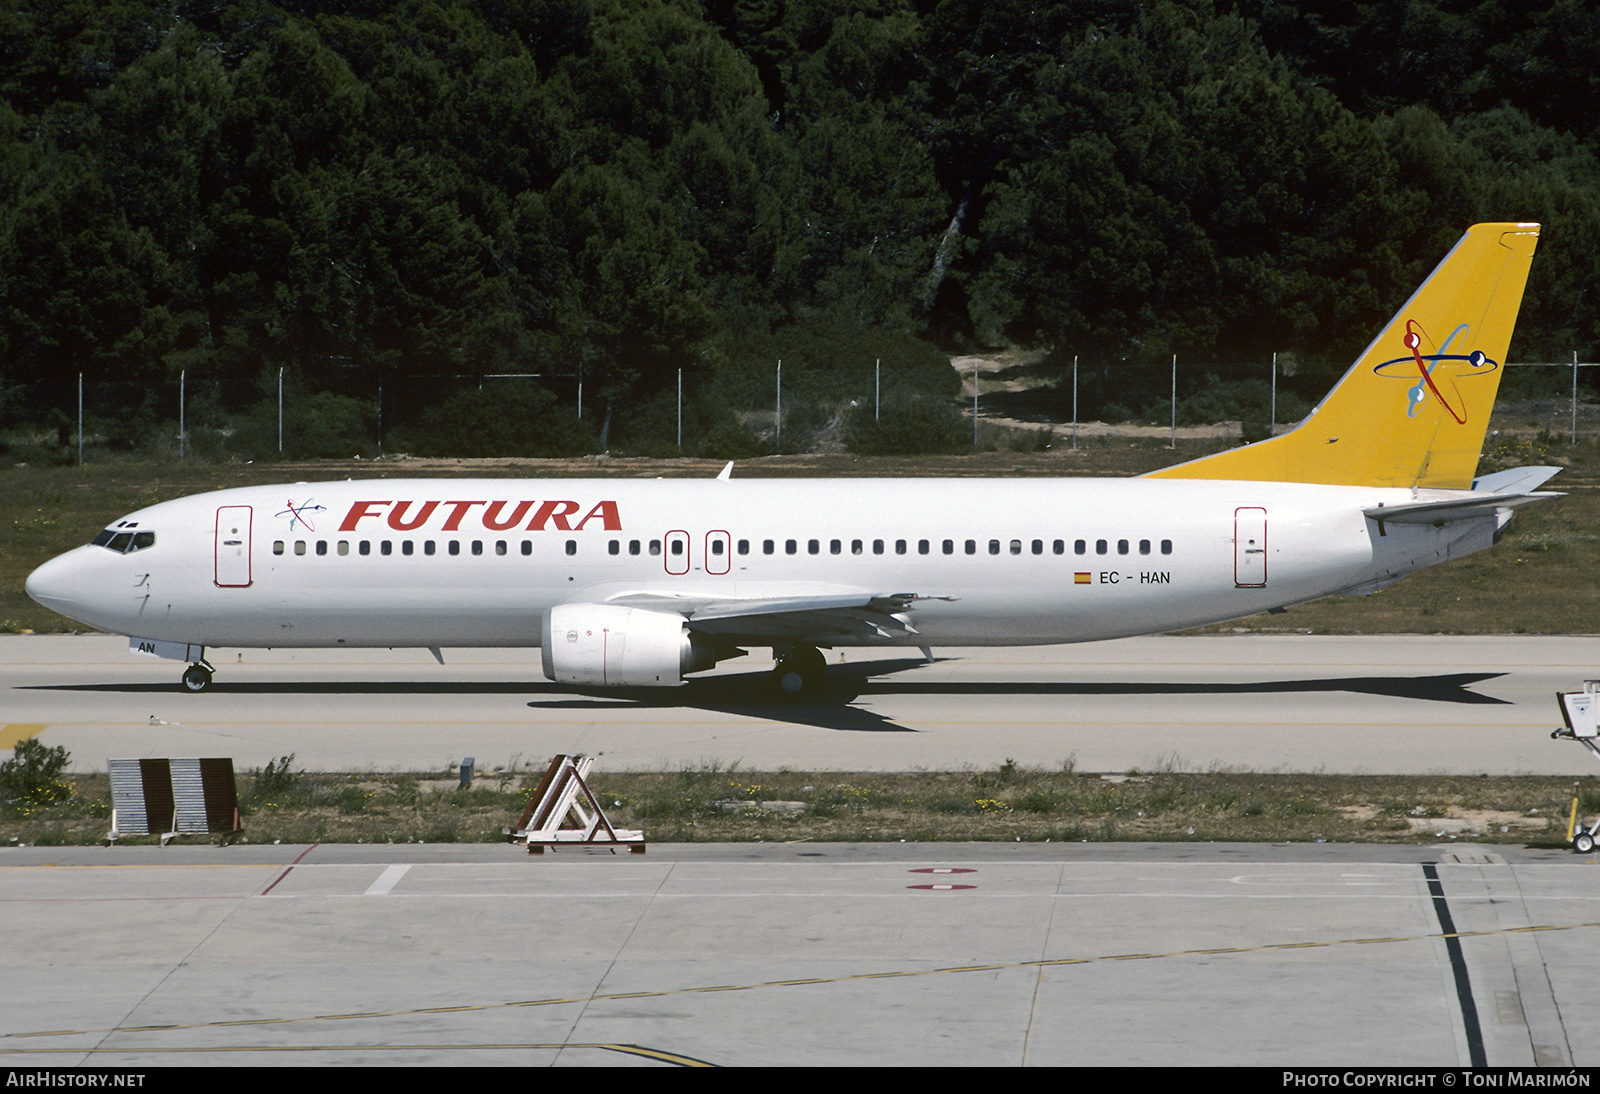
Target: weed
[32,777]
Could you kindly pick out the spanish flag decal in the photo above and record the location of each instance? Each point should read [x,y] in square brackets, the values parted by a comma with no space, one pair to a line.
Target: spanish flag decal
[1080,579]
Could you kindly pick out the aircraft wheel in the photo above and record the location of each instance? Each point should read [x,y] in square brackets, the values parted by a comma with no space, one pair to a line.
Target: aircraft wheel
[799,675]
[1583,843]
[196,678]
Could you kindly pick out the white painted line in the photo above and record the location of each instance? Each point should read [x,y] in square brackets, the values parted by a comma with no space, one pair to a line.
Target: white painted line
[387,880]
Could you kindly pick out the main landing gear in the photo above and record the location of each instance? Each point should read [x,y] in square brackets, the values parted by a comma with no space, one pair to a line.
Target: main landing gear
[800,672]
[197,677]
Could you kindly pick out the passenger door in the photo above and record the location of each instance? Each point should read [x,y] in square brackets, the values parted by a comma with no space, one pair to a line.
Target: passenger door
[233,546]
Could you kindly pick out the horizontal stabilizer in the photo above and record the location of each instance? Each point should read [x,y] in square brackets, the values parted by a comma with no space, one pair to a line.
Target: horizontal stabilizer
[1518,480]
[1462,508]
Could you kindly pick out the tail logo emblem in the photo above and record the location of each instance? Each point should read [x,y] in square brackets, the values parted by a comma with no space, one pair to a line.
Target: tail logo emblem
[1436,374]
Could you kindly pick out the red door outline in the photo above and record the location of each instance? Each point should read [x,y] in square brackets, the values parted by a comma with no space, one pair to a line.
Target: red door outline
[231,560]
[719,552]
[676,564]
[1250,547]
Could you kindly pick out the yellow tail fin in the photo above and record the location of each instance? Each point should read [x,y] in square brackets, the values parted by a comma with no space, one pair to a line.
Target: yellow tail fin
[1413,409]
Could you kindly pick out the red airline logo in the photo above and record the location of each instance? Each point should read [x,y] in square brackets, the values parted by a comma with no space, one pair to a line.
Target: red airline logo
[496,516]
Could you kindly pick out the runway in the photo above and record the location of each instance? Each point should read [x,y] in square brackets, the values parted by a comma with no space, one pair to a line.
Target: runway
[1372,705]
[933,955]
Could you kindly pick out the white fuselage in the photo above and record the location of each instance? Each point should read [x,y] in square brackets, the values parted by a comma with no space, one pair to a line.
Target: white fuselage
[1002,562]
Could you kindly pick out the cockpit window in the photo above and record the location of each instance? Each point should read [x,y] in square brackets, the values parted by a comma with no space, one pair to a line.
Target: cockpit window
[124,542]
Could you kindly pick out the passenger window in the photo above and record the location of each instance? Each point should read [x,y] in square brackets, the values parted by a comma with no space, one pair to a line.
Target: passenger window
[655,547]
[427,546]
[572,547]
[364,547]
[277,546]
[899,546]
[408,547]
[676,547]
[1122,546]
[949,546]
[344,547]
[455,547]
[477,547]
[385,548]
[856,546]
[994,546]
[790,546]
[1059,546]
[835,547]
[1038,546]
[1080,547]
[299,546]
[322,546]
[1016,546]
[499,546]
[743,547]
[877,546]
[1101,547]
[716,547]
[922,546]
[527,547]
[633,546]
[1144,546]
[972,546]
[814,546]
[1166,546]
[767,546]
[614,547]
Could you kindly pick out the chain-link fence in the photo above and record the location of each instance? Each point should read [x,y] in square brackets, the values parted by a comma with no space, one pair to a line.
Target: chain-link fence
[211,418]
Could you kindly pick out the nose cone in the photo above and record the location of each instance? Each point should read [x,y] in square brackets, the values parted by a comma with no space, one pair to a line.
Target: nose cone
[68,584]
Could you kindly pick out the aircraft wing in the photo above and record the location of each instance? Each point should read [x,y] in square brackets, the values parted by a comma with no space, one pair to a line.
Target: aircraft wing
[818,619]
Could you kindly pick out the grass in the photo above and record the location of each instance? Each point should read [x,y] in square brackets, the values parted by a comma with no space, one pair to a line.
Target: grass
[1007,803]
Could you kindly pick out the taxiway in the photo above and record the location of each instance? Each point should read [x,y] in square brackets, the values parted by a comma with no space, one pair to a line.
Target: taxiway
[1369,705]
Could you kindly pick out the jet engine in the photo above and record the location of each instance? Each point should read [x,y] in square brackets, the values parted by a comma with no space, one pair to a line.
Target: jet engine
[604,645]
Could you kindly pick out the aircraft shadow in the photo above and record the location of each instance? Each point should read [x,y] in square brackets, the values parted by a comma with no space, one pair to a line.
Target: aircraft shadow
[749,694]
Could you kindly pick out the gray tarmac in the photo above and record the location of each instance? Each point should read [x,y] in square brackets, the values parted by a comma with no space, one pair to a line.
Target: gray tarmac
[934,955]
[949,955]
[1365,705]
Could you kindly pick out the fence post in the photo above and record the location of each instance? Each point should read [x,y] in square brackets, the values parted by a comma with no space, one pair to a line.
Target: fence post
[974,407]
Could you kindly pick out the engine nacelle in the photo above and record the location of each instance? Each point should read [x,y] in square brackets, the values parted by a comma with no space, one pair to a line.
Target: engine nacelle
[604,645]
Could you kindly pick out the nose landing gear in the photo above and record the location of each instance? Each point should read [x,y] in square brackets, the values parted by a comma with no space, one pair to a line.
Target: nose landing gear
[197,677]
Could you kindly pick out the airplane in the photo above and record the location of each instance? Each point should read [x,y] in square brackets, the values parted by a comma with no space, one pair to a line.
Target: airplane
[639,583]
